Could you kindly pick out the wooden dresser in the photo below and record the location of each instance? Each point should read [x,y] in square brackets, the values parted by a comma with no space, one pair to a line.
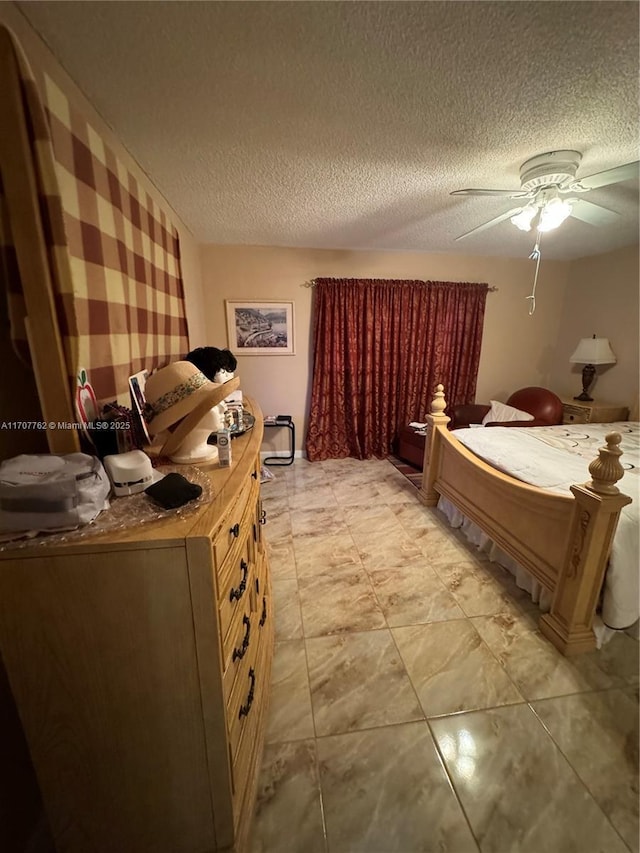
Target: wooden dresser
[140,664]
[592,412]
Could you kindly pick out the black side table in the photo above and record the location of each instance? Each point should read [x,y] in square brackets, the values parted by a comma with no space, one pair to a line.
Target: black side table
[285,421]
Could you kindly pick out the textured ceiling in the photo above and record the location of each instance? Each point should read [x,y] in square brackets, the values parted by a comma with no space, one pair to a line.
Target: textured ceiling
[347,124]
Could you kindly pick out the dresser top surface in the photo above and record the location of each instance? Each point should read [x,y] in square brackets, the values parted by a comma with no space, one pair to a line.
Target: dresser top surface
[167,531]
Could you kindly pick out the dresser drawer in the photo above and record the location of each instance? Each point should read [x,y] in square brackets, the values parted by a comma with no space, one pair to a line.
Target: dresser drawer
[236,596]
[247,693]
[235,520]
[245,760]
[263,590]
[243,636]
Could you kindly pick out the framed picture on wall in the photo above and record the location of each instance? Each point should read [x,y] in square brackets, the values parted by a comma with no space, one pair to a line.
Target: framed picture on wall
[260,328]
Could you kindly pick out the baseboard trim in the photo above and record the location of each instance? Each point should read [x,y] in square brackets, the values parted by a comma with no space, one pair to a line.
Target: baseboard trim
[298,454]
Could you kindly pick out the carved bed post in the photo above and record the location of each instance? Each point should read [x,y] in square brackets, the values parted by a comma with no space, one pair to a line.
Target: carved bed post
[595,518]
[437,417]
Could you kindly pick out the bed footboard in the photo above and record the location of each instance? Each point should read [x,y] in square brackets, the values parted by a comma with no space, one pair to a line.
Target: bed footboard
[563,541]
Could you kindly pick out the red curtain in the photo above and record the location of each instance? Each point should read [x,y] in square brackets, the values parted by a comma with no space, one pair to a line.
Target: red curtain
[380,348]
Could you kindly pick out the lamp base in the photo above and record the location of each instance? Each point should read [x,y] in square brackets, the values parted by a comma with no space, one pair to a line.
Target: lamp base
[588,374]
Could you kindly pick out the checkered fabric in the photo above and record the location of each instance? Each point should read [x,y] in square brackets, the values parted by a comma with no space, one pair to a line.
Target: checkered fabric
[115,255]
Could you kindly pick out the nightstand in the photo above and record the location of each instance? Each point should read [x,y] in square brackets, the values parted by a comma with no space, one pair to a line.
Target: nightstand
[579,412]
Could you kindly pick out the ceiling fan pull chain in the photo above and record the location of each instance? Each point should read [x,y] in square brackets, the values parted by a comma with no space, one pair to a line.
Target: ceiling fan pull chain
[535,256]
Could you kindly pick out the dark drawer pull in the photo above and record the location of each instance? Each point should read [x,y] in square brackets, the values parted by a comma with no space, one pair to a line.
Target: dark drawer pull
[244,709]
[238,654]
[263,618]
[235,530]
[237,593]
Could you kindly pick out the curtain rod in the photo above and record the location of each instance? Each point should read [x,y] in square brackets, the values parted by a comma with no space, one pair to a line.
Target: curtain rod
[312,283]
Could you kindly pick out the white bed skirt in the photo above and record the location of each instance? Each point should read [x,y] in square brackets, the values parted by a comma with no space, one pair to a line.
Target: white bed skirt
[539,594]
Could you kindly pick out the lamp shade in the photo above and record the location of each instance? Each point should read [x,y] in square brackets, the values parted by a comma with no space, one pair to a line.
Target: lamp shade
[593,351]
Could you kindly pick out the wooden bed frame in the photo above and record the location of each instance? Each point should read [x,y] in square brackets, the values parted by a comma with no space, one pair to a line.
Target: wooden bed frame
[563,541]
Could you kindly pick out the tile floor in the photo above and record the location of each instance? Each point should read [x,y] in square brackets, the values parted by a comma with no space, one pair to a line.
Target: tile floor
[414,705]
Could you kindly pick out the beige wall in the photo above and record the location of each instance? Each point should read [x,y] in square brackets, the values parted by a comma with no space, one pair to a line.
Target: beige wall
[602,299]
[41,61]
[517,349]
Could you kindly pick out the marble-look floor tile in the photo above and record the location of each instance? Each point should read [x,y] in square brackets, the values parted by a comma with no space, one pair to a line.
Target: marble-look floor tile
[349,493]
[400,491]
[619,658]
[512,621]
[507,785]
[535,666]
[476,591]
[385,791]
[598,733]
[276,505]
[448,550]
[358,681]
[288,813]
[335,604]
[286,607]
[275,489]
[319,497]
[303,471]
[305,522]
[282,559]
[356,470]
[452,669]
[434,544]
[381,551]
[415,517]
[517,789]
[410,596]
[277,525]
[290,716]
[334,554]
[378,518]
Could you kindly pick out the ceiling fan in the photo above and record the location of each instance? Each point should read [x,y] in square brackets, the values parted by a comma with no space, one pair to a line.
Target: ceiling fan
[550,190]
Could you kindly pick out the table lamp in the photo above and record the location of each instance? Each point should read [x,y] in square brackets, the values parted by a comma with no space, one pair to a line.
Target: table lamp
[591,351]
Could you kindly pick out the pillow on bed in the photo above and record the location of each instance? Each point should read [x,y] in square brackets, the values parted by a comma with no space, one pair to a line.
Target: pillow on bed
[501,412]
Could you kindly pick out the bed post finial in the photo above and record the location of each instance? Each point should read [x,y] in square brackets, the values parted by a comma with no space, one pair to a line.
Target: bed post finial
[436,418]
[438,404]
[606,470]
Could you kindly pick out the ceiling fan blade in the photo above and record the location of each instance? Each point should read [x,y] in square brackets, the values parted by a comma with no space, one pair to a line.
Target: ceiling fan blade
[491,222]
[501,193]
[592,213]
[610,176]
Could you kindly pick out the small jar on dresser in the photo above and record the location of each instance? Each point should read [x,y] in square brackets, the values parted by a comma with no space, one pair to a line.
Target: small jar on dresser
[592,412]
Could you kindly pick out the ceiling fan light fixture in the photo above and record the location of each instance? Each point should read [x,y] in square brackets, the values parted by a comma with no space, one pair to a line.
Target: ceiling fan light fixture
[554,214]
[524,219]
[544,180]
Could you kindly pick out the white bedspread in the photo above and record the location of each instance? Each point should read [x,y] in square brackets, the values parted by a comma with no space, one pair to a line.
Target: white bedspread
[557,457]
